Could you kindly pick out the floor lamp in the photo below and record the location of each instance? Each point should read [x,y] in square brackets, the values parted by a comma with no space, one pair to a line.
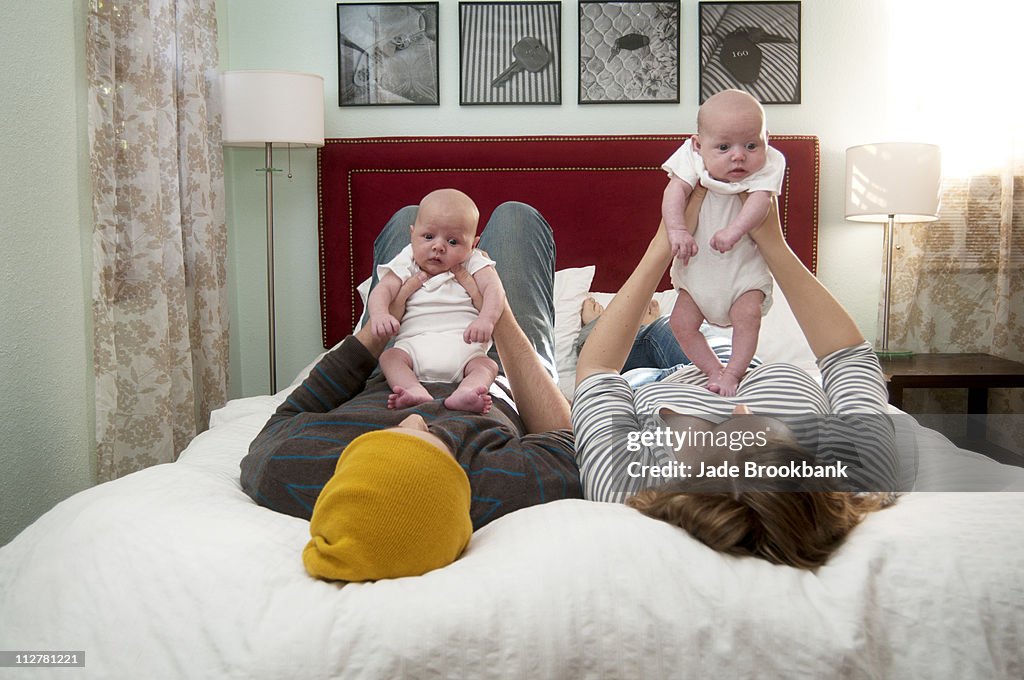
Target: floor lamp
[268,109]
[891,183]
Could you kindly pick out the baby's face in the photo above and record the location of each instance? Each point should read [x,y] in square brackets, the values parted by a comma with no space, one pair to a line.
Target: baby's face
[733,146]
[439,246]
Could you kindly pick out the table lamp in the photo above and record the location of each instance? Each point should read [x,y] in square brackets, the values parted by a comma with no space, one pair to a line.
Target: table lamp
[895,182]
[268,109]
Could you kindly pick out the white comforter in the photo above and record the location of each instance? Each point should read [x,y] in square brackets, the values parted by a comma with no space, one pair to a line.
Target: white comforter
[173,572]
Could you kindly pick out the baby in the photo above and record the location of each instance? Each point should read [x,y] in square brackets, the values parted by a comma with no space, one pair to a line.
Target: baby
[728,284]
[442,337]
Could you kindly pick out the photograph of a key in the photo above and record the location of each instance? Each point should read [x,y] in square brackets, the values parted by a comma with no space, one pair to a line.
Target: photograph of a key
[528,54]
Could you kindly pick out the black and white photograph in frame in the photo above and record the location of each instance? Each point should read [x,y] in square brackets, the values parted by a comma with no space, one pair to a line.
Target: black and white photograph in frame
[387,54]
[510,53]
[751,46]
[629,52]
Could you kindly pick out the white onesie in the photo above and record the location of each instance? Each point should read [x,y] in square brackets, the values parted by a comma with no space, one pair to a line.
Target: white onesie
[436,316]
[714,280]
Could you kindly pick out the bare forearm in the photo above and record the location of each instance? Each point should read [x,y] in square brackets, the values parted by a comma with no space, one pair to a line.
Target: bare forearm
[540,403]
[371,342]
[612,339]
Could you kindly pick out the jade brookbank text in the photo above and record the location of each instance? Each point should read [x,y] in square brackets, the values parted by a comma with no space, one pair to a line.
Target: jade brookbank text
[749,470]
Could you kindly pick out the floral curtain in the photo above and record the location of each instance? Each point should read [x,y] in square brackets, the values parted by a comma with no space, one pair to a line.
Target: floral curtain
[959,287]
[160,240]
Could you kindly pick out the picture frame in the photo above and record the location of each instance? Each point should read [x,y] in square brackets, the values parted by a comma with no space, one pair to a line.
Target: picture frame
[750,46]
[629,52]
[387,54]
[495,35]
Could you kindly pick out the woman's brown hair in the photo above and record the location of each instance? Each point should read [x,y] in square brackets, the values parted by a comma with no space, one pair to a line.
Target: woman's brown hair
[799,528]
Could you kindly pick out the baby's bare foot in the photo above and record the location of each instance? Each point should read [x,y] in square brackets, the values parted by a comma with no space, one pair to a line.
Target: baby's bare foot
[473,399]
[404,398]
[591,310]
[724,383]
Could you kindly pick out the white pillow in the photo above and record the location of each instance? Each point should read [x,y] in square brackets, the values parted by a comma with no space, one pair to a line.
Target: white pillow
[781,339]
[571,287]
[364,291]
[666,299]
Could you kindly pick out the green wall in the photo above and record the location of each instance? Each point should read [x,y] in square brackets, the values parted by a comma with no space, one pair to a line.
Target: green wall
[45,222]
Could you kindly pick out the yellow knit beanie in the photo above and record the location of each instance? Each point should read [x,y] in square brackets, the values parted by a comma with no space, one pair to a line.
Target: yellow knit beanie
[396,506]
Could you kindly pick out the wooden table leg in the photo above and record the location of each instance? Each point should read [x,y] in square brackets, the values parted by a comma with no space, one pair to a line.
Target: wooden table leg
[977,408]
[895,395]
[977,400]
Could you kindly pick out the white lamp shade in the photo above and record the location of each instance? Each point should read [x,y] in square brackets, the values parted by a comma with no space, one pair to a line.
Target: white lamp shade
[898,178]
[280,107]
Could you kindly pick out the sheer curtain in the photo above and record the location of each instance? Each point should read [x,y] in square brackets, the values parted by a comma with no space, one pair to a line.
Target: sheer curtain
[159,240]
[959,282]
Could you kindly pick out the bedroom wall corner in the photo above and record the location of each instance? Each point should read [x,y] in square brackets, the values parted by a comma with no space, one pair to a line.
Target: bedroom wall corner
[45,228]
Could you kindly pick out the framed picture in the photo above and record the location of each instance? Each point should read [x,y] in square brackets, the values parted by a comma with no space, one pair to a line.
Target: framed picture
[629,52]
[751,46]
[510,53]
[387,54]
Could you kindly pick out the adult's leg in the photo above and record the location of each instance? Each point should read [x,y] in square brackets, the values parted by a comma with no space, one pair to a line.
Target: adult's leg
[655,347]
[521,243]
[390,241]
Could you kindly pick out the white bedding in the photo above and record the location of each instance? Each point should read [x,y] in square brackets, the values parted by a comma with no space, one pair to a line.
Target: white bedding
[174,572]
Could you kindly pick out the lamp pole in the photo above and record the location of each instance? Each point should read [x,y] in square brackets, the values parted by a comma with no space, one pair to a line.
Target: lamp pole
[271,316]
[886,286]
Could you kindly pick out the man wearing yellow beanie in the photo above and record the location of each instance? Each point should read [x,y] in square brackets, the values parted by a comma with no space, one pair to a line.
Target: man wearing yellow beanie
[382,505]
[397,505]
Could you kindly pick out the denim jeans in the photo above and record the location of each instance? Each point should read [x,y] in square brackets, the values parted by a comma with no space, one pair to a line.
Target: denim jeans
[520,242]
[655,347]
[654,355]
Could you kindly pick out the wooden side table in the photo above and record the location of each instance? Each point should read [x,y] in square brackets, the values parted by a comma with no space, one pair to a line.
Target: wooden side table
[974,372]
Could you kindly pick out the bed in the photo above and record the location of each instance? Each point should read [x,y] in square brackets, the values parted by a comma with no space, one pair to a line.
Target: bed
[174,572]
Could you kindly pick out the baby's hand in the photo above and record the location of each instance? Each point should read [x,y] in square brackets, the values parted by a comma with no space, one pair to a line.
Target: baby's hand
[723,240]
[384,326]
[478,331]
[683,245]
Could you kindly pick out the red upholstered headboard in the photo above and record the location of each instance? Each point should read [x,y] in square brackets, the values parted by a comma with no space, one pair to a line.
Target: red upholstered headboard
[601,194]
